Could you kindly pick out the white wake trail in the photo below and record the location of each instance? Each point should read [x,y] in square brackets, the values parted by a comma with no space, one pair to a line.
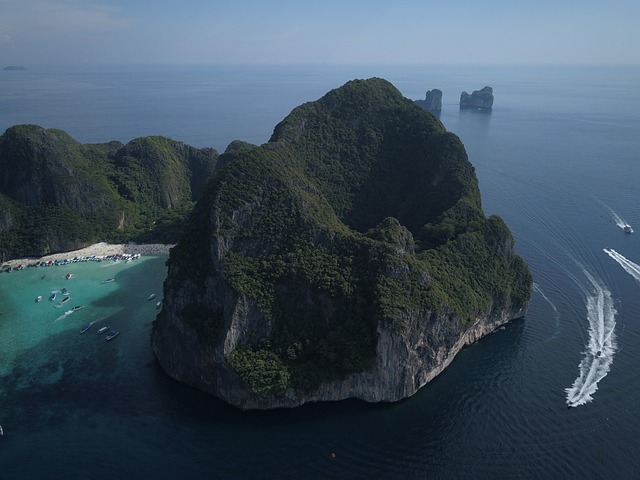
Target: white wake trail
[601,347]
[620,222]
[631,268]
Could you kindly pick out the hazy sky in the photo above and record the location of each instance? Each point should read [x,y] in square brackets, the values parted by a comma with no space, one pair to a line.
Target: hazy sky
[320,31]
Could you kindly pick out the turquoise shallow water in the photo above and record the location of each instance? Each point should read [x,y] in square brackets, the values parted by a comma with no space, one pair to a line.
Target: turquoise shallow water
[25,323]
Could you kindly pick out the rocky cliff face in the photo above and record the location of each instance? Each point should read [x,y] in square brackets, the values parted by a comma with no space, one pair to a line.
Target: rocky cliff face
[57,194]
[479,99]
[346,258]
[432,101]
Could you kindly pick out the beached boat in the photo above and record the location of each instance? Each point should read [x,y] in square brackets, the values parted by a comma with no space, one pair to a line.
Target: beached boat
[103,329]
[38,298]
[111,335]
[152,296]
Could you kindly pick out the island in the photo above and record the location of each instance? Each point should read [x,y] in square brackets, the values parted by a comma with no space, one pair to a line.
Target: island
[432,101]
[479,99]
[14,67]
[58,195]
[347,257]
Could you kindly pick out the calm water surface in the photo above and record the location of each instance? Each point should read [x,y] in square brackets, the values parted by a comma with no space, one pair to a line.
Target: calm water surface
[557,158]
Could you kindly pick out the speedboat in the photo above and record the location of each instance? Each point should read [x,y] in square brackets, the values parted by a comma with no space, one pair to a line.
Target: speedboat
[152,296]
[111,335]
[38,298]
[627,229]
[67,276]
[103,329]
[158,305]
[53,296]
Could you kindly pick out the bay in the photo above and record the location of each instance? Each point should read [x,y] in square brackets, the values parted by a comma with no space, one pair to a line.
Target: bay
[557,158]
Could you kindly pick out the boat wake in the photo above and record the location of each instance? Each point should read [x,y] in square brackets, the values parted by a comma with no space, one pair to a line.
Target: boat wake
[631,268]
[619,221]
[601,347]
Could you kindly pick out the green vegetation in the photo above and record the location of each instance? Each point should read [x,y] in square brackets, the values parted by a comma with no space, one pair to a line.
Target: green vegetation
[57,194]
[361,211]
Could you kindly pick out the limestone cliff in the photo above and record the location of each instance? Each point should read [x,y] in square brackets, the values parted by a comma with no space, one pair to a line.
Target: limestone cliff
[479,99]
[348,257]
[432,100]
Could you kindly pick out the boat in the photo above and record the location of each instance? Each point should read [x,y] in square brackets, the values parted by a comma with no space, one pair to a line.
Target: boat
[53,296]
[1,431]
[158,305]
[111,335]
[103,329]
[108,280]
[38,298]
[67,276]
[77,307]
[627,229]
[64,291]
[152,296]
[86,327]
[63,301]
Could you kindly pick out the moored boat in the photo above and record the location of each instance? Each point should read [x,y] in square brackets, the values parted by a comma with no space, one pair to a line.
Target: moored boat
[53,296]
[103,329]
[111,335]
[108,280]
[152,296]
[158,305]
[63,301]
[38,298]
[86,327]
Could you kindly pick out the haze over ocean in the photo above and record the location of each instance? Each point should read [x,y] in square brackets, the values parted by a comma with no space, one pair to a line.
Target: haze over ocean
[557,158]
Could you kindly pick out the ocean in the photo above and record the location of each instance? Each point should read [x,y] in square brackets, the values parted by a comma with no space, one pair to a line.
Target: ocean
[555,395]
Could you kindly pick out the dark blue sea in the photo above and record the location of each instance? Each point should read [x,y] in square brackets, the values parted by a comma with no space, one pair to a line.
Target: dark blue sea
[555,395]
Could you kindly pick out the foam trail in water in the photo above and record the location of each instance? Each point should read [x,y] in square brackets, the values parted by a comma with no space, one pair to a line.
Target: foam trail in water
[601,346]
[556,315]
[631,268]
[620,222]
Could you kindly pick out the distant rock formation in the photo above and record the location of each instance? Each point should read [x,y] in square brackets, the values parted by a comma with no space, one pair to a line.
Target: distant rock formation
[482,99]
[14,67]
[432,101]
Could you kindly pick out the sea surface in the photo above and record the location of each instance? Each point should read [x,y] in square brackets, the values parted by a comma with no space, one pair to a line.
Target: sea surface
[555,395]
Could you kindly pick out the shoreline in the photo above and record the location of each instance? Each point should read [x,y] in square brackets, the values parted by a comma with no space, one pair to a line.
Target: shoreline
[99,250]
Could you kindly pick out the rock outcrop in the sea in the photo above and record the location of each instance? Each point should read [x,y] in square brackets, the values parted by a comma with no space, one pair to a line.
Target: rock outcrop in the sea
[432,101]
[348,257]
[57,194]
[479,99]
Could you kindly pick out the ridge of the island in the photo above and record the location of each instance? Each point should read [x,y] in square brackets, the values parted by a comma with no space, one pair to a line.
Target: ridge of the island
[347,257]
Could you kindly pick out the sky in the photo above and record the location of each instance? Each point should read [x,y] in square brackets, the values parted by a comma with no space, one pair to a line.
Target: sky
[319,32]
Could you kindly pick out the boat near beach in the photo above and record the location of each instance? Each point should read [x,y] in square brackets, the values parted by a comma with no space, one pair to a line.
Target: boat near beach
[111,335]
[63,301]
[86,327]
[152,296]
[158,305]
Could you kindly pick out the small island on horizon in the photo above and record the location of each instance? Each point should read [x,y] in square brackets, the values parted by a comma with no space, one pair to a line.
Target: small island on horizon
[15,67]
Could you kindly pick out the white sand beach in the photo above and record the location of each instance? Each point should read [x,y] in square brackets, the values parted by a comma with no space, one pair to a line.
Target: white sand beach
[101,249]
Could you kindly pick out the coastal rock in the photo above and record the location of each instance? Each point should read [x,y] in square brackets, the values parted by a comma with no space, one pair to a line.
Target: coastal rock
[479,99]
[432,101]
[57,194]
[348,257]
